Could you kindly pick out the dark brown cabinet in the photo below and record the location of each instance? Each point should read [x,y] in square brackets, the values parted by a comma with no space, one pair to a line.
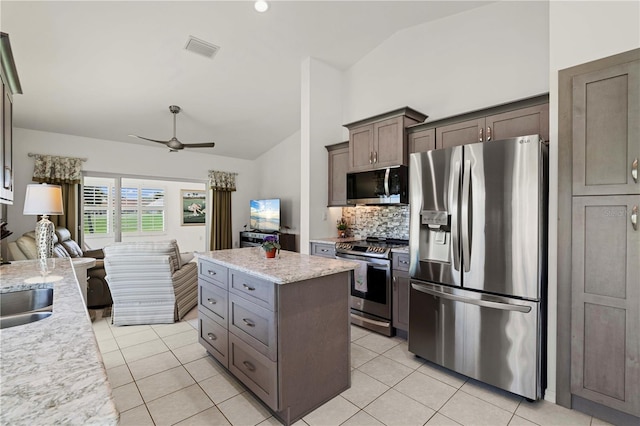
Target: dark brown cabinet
[521,118]
[400,292]
[381,141]
[338,167]
[10,86]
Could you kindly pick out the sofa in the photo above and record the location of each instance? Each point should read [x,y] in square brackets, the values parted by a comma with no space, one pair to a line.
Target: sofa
[98,294]
[151,282]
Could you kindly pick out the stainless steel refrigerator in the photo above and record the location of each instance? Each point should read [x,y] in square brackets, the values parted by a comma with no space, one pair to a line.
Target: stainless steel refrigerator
[478,248]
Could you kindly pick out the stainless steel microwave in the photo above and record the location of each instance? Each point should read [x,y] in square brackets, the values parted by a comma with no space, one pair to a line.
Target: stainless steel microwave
[381,186]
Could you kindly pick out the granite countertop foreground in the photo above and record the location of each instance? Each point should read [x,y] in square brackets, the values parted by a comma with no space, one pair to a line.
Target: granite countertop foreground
[288,267]
[52,371]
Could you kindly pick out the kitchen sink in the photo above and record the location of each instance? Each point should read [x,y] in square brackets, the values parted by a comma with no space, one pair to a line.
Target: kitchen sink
[19,302]
[25,306]
[21,319]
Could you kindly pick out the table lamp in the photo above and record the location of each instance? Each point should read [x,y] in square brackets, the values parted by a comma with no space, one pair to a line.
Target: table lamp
[45,200]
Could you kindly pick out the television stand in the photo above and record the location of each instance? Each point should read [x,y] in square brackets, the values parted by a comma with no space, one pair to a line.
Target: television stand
[254,239]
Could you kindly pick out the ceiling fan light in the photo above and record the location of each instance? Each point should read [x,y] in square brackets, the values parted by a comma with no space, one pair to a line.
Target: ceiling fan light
[261,6]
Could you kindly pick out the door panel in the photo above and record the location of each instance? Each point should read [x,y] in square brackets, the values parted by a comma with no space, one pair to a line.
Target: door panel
[422,141]
[361,148]
[606,130]
[522,122]
[460,133]
[389,147]
[605,320]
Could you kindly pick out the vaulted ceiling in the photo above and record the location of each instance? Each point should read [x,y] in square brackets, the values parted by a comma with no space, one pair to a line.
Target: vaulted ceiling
[107,69]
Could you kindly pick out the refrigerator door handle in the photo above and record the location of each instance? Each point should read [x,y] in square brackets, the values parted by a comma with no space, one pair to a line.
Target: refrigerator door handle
[455,237]
[478,302]
[464,216]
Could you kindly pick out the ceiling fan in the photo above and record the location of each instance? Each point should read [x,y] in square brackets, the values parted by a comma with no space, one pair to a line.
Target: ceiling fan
[174,144]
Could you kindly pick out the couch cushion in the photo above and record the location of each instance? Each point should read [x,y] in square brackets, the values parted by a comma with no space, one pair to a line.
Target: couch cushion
[27,245]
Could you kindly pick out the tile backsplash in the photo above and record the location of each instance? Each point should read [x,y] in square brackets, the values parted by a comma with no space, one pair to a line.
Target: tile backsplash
[377,221]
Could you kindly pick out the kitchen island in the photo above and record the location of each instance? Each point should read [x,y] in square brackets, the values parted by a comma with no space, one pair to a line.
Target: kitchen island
[280,326]
[51,370]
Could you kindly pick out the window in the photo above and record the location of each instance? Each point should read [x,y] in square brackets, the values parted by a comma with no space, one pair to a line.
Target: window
[141,211]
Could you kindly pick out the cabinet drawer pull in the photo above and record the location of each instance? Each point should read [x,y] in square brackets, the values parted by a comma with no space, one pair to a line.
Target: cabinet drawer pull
[370,157]
[375,156]
[212,336]
[249,366]
[324,250]
[634,170]
[480,134]
[248,288]
[211,301]
[211,272]
[488,133]
[404,262]
[249,322]
[634,218]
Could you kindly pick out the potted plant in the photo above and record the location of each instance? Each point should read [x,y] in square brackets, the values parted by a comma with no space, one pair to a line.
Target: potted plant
[271,245]
[342,227]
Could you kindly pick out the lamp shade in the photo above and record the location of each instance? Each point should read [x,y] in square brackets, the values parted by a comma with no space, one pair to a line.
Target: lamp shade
[43,199]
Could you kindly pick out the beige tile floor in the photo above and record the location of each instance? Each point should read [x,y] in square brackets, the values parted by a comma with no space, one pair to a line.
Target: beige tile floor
[161,375]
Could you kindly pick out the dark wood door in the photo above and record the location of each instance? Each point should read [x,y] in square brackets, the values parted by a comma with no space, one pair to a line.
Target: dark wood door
[463,133]
[338,168]
[521,122]
[422,141]
[605,343]
[361,148]
[606,131]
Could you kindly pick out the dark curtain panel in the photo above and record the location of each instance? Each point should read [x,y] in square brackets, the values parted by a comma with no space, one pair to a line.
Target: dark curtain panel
[221,233]
[69,219]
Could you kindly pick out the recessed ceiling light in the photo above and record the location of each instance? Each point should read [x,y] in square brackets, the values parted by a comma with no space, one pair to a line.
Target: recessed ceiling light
[261,6]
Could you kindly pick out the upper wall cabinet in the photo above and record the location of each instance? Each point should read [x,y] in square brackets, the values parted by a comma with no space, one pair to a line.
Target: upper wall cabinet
[381,141]
[338,166]
[606,131]
[527,117]
[10,86]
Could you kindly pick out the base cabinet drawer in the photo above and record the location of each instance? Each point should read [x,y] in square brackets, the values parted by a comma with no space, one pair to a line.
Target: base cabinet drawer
[253,324]
[214,338]
[256,371]
[214,301]
[213,272]
[259,291]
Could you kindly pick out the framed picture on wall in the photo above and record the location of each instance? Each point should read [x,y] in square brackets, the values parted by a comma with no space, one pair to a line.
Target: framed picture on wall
[193,207]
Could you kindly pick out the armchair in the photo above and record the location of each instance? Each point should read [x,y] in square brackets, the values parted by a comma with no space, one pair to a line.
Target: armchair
[150,282]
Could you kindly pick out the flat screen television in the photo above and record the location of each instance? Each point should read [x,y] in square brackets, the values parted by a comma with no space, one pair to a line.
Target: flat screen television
[265,215]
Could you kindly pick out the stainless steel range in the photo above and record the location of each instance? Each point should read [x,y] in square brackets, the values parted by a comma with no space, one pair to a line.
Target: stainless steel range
[371,288]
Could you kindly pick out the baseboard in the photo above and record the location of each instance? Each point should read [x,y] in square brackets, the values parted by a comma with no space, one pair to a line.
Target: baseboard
[603,412]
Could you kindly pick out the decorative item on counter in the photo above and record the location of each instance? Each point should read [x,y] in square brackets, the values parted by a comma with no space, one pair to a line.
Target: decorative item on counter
[271,245]
[43,199]
[342,228]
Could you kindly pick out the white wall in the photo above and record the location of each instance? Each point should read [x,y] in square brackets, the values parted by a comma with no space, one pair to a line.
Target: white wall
[486,56]
[321,125]
[279,177]
[580,31]
[123,158]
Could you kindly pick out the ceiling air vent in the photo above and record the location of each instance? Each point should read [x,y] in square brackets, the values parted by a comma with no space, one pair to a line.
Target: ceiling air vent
[201,47]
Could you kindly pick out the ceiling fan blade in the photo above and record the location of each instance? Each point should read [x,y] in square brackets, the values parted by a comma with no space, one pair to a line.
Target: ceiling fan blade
[199,145]
[147,139]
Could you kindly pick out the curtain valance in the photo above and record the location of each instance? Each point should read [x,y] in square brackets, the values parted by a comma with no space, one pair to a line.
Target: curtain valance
[222,181]
[55,169]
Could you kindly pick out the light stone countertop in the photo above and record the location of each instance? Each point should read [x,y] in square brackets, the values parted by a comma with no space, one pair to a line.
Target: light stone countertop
[52,371]
[288,267]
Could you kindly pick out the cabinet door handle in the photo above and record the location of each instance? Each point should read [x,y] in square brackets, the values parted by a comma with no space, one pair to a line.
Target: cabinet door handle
[488,133]
[211,301]
[247,287]
[370,157]
[8,178]
[211,272]
[634,170]
[394,283]
[480,134]
[212,336]
[248,322]
[249,366]
[375,156]
[634,217]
